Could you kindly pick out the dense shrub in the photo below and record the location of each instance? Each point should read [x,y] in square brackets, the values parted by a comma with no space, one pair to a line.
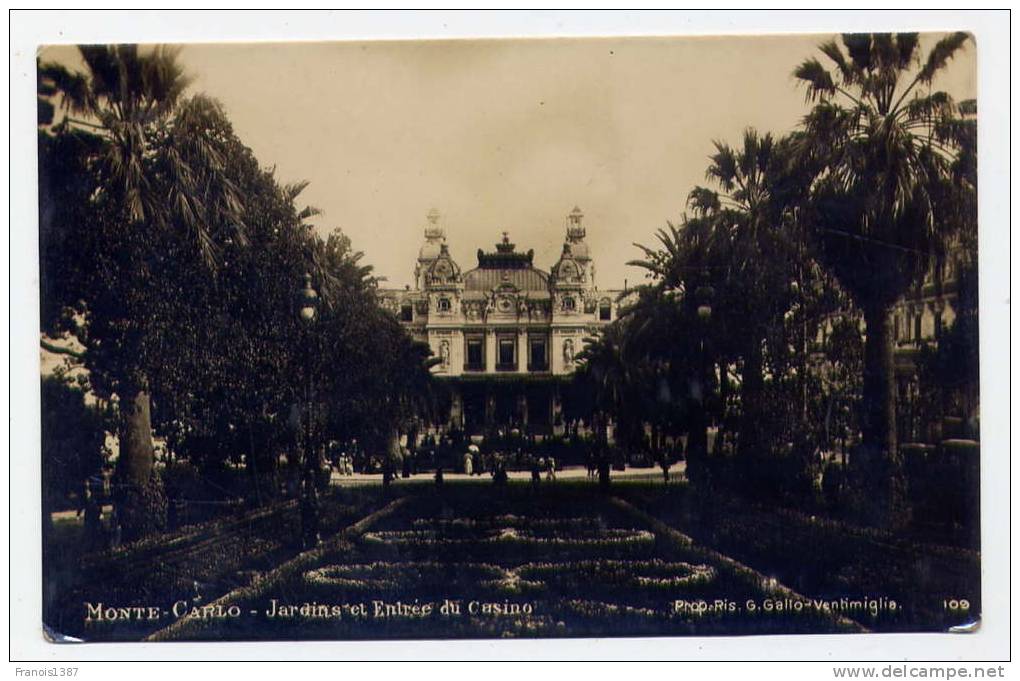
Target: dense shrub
[834,485]
[73,434]
[944,486]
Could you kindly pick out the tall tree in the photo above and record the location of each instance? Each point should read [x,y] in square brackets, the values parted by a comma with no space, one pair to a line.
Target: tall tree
[159,184]
[885,201]
[687,272]
[749,220]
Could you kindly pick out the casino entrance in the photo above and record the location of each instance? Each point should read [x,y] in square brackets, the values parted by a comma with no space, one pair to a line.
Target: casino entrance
[493,405]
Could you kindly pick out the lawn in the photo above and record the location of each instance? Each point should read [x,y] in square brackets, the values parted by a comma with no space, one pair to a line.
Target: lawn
[196,564]
[824,558]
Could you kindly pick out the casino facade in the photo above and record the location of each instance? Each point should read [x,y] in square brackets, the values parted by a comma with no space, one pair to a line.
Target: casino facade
[507,333]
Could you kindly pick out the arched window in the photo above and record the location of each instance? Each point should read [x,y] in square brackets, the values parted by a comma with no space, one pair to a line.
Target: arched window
[406,313]
[443,304]
[605,311]
[569,304]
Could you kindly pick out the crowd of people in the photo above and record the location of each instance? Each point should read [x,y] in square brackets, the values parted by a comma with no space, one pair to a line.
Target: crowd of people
[496,457]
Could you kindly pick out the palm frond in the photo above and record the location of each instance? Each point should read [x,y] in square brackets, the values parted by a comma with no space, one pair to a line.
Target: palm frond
[819,80]
[703,200]
[73,86]
[858,46]
[723,168]
[940,55]
[831,50]
[906,46]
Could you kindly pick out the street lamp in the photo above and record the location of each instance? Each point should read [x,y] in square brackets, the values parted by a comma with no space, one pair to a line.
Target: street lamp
[308,300]
[697,449]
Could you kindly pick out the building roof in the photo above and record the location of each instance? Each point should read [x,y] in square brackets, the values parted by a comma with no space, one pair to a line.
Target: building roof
[506,267]
[488,278]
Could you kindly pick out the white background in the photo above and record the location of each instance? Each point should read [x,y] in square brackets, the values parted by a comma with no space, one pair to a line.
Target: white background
[31,29]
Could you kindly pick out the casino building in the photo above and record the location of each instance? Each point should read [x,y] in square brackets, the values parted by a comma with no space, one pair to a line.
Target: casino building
[507,332]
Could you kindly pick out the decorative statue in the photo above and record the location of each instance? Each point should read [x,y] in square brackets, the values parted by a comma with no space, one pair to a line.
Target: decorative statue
[444,353]
[568,350]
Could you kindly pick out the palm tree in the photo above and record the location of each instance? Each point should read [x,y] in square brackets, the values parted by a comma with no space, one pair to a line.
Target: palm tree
[162,174]
[885,200]
[668,329]
[748,224]
[604,370]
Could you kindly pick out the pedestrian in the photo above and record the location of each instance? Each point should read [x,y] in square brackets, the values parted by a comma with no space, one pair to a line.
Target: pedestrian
[603,467]
[551,471]
[468,464]
[536,472]
[499,477]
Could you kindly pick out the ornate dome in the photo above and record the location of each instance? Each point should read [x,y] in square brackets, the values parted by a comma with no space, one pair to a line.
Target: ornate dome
[568,270]
[443,269]
[579,250]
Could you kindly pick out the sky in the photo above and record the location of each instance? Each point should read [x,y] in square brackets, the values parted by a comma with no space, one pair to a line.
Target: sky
[507,135]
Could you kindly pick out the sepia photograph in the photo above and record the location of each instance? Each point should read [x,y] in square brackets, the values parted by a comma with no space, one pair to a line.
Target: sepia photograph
[488,338]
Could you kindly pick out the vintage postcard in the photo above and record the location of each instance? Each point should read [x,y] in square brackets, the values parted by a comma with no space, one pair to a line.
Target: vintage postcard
[526,338]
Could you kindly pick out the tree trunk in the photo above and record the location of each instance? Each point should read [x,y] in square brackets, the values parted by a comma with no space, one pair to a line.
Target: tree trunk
[883,472]
[136,456]
[141,504]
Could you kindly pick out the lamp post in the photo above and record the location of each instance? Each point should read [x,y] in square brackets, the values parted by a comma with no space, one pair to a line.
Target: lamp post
[308,301]
[698,437]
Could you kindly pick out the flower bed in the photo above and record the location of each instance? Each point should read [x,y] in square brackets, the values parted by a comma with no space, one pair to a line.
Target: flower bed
[502,544]
[655,574]
[510,535]
[553,573]
[382,576]
[339,580]
[453,525]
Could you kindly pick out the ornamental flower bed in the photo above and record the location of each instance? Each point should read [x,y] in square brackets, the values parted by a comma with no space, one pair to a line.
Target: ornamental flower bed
[510,543]
[469,566]
[451,526]
[347,579]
